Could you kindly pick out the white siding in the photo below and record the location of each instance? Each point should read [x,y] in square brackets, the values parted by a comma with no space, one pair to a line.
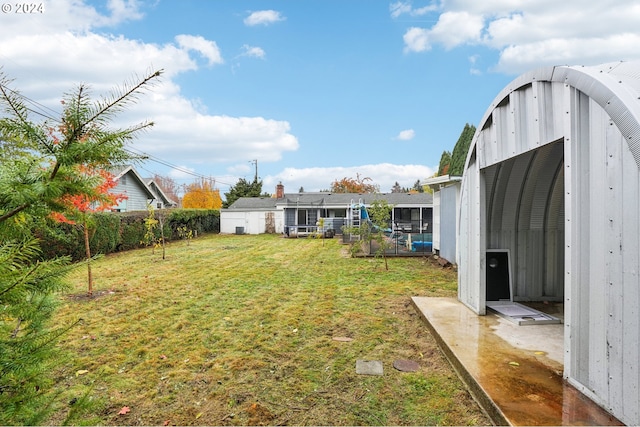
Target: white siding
[253,222]
[448,225]
[436,220]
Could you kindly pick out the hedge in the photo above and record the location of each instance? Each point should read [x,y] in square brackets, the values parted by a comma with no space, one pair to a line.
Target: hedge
[121,231]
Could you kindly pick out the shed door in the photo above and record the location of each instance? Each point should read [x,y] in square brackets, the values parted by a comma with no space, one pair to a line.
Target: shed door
[498,279]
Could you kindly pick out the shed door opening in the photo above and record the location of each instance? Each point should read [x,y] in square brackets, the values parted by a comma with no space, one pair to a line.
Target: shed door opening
[525,218]
[498,283]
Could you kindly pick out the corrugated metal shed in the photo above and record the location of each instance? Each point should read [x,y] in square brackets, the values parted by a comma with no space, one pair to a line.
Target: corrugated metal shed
[553,176]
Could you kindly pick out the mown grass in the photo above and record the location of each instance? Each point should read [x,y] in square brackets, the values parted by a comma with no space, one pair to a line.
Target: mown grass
[238,330]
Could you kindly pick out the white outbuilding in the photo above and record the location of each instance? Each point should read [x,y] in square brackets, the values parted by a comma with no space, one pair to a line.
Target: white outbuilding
[552,184]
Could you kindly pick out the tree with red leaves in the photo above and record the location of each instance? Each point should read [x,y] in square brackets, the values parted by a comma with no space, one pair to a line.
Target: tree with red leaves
[80,206]
[351,185]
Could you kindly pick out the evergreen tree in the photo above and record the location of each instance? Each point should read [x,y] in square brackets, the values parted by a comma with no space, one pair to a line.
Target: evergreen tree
[42,166]
[445,163]
[397,188]
[460,150]
[417,186]
[243,188]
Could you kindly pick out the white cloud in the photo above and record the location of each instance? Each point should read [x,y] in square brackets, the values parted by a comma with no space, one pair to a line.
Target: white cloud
[528,35]
[416,40]
[68,15]
[315,179]
[206,48]
[62,53]
[123,10]
[263,17]
[399,8]
[253,51]
[405,7]
[406,135]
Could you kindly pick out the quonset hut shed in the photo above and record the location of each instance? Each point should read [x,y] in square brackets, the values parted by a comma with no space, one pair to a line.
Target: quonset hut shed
[552,178]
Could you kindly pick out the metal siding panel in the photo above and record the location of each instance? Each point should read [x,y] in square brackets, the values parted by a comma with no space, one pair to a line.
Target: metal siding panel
[572,272]
[630,192]
[448,223]
[436,220]
[596,279]
[470,284]
[503,123]
[550,99]
[612,165]
[525,117]
[554,259]
[582,319]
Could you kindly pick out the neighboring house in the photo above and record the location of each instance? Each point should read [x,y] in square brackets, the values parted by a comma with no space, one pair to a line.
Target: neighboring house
[446,204]
[138,193]
[296,214]
[160,199]
[552,180]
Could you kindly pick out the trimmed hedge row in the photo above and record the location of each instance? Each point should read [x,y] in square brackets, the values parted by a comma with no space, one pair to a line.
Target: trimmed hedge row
[113,232]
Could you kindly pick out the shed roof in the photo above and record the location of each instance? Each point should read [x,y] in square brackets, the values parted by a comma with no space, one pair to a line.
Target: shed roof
[254,203]
[614,86]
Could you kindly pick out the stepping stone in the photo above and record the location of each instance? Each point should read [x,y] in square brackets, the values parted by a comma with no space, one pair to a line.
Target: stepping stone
[369,367]
[406,365]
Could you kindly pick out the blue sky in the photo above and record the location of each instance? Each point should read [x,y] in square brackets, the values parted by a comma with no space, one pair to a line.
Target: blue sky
[313,90]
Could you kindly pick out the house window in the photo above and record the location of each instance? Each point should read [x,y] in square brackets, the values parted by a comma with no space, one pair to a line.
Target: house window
[302,216]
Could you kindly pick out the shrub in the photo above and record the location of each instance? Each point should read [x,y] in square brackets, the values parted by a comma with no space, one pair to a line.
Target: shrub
[112,232]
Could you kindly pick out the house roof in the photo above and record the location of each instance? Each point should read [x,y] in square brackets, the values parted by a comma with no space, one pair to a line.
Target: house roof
[129,170]
[328,200]
[156,189]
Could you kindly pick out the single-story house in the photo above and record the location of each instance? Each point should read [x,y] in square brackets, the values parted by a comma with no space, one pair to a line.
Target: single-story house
[296,214]
[551,195]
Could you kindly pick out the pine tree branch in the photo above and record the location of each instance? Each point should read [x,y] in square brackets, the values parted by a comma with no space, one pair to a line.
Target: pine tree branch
[14,211]
[29,273]
[124,96]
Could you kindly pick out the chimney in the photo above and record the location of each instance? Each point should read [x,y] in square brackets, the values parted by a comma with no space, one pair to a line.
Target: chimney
[280,191]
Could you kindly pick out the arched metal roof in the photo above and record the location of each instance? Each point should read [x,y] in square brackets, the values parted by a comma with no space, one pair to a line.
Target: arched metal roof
[614,86]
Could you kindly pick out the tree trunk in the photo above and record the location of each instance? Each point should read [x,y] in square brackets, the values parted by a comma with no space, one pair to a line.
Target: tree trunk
[88,251]
[161,233]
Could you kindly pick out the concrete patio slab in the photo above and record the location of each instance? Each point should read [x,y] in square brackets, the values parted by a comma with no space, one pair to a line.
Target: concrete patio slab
[514,372]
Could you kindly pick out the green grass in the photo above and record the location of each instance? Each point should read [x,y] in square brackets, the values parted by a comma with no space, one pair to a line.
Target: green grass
[238,330]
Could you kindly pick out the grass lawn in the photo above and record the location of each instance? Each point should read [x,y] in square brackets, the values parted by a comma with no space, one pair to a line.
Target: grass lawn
[240,330]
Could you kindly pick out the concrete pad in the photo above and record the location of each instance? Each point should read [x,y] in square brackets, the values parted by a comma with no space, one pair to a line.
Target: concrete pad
[514,372]
[369,367]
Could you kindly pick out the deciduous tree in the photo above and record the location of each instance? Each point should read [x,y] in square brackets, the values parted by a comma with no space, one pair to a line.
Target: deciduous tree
[354,185]
[168,186]
[202,195]
[78,208]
